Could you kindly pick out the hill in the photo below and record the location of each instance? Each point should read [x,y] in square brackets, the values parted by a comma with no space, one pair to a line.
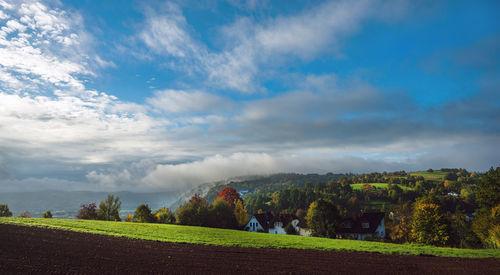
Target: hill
[250,186]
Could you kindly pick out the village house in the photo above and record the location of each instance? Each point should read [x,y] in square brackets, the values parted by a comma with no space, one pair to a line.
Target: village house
[259,223]
[366,225]
[278,224]
[268,223]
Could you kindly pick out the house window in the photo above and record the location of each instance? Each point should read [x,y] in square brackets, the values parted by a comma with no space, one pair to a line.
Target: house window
[365,225]
[347,225]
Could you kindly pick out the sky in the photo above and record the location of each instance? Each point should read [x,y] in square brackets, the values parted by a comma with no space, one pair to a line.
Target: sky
[166,95]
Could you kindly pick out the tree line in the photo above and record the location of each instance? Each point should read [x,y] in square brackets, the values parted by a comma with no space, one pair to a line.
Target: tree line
[226,211]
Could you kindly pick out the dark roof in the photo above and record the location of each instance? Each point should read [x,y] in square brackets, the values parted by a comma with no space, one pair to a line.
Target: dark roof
[285,219]
[302,223]
[264,220]
[373,220]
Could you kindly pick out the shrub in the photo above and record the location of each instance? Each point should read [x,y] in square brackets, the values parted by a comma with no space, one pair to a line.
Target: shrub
[143,214]
[4,211]
[47,215]
[129,218]
[26,214]
[87,212]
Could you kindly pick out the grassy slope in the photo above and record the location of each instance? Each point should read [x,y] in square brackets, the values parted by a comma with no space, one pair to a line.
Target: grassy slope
[223,237]
[359,186]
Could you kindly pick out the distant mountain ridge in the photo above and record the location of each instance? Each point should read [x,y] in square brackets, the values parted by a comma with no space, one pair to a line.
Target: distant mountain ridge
[65,204]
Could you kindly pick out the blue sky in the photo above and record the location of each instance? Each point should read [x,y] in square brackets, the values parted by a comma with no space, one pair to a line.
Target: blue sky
[147,95]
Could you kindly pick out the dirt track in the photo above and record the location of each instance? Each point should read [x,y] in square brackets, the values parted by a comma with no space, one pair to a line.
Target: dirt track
[37,250]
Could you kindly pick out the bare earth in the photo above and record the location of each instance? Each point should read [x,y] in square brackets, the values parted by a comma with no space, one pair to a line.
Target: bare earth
[36,250]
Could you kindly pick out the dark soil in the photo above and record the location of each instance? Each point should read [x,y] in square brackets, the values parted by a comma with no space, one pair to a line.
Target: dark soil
[37,250]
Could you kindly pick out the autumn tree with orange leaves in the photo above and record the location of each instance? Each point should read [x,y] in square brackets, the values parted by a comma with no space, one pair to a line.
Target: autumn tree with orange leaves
[230,195]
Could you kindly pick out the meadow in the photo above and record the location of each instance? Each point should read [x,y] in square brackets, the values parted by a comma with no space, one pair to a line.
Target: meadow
[433,176]
[359,186]
[225,237]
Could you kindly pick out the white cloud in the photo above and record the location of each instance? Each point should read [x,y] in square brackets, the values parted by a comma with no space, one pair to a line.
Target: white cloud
[185,102]
[252,48]
[186,175]
[45,109]
[306,34]
[44,48]
[76,129]
[167,33]
[249,5]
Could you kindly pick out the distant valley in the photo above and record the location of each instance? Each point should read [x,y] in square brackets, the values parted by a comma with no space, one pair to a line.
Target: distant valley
[66,204]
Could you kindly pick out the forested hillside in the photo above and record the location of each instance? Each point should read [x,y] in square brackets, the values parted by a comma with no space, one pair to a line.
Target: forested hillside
[454,200]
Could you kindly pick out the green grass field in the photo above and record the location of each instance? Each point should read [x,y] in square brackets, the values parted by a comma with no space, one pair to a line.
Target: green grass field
[224,237]
[359,186]
[434,176]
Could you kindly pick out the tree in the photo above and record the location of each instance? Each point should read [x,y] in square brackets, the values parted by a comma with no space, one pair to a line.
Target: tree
[87,212]
[462,235]
[129,218]
[323,218]
[450,176]
[290,230]
[4,211]
[488,188]
[401,231]
[221,215]
[486,226]
[240,213]
[164,215]
[143,214]
[300,213]
[47,215]
[230,195]
[429,225]
[495,236]
[109,210]
[195,212]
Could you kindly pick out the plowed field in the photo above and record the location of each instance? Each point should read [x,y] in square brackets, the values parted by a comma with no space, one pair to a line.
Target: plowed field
[37,250]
